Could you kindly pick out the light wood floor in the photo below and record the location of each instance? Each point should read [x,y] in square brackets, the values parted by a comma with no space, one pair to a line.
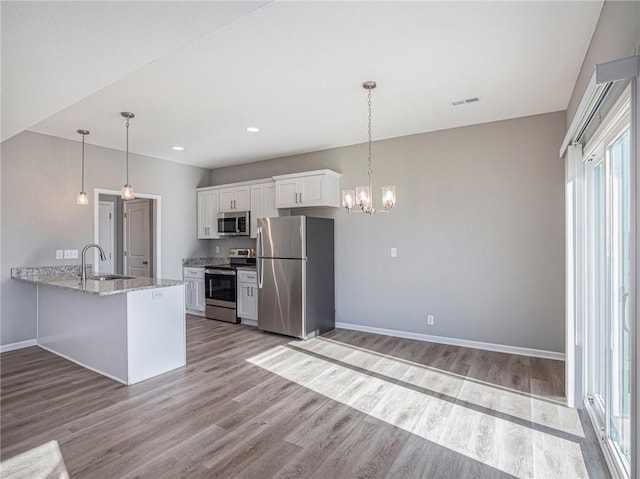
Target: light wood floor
[350,404]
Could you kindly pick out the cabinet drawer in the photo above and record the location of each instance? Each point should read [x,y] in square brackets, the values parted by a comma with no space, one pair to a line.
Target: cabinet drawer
[197,273]
[247,276]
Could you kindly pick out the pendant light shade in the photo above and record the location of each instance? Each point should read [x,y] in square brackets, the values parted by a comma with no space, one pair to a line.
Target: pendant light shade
[127,190]
[363,195]
[82,198]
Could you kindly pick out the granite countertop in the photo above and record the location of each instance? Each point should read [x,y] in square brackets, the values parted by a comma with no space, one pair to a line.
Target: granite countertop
[203,261]
[67,277]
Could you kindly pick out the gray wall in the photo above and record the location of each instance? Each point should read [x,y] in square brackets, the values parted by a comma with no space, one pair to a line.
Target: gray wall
[40,180]
[617,35]
[479,228]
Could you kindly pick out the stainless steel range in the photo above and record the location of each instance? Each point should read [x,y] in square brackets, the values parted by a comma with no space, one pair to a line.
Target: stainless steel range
[220,285]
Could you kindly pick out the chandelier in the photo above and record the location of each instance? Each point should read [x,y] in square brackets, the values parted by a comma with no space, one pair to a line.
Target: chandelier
[362,195]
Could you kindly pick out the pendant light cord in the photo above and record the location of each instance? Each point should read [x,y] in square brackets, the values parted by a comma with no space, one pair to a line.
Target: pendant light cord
[127,151]
[83,135]
[369,128]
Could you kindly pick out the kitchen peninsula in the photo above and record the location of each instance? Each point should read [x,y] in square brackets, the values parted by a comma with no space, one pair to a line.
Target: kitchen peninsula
[126,329]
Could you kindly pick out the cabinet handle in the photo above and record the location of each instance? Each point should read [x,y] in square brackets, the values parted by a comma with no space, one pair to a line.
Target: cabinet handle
[300,198]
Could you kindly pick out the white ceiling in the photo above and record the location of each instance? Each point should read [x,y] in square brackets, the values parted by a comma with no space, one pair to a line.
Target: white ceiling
[293,69]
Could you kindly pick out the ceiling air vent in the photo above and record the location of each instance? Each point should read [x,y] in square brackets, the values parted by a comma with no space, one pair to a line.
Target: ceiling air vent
[464,102]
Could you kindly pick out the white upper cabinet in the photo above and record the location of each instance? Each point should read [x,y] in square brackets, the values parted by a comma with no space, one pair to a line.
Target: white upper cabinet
[207,214]
[316,189]
[235,199]
[263,203]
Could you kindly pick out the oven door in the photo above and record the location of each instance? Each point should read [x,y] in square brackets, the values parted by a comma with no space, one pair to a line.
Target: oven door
[220,287]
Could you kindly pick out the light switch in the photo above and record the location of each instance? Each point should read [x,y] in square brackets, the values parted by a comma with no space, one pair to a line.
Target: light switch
[217,249]
[394,252]
[59,254]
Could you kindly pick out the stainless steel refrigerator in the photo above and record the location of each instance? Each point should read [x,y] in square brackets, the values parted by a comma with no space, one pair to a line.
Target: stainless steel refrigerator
[295,276]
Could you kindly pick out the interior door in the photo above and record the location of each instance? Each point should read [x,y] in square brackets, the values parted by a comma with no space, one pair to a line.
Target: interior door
[106,235]
[137,238]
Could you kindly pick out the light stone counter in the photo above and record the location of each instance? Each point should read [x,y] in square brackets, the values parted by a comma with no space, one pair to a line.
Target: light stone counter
[203,261]
[67,277]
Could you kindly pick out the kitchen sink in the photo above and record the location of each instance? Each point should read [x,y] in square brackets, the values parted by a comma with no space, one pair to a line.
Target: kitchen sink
[109,277]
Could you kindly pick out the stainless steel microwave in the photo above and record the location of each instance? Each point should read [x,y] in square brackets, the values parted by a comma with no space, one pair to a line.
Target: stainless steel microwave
[234,224]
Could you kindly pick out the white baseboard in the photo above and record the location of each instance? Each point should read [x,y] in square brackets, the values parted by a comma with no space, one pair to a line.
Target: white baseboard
[499,348]
[19,345]
[249,322]
[194,312]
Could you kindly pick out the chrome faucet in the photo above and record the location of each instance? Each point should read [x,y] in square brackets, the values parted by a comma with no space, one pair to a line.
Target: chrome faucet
[103,257]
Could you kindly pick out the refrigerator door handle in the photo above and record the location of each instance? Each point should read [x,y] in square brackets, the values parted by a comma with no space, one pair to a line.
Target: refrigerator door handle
[259,244]
[260,247]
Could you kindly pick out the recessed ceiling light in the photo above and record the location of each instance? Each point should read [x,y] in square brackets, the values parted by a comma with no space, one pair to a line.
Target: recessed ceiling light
[253,129]
[178,148]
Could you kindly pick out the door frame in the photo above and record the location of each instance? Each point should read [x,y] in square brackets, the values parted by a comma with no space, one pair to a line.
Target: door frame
[157,226]
[112,220]
[618,115]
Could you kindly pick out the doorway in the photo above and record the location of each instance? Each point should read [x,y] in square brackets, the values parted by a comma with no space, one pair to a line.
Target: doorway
[107,234]
[132,233]
[136,241]
[608,282]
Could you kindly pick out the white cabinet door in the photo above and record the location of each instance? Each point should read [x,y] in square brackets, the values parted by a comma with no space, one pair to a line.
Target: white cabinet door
[263,204]
[189,296]
[247,301]
[199,295]
[311,189]
[269,209]
[227,195]
[193,277]
[235,199]
[242,198]
[287,193]
[207,214]
[319,188]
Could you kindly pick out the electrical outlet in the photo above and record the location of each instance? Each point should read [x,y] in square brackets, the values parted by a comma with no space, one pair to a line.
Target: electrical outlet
[217,249]
[431,319]
[394,252]
[59,254]
[71,254]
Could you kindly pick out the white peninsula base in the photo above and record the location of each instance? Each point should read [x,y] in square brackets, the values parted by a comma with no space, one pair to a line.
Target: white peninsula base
[128,337]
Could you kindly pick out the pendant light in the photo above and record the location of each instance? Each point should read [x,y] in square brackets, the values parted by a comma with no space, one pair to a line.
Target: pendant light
[127,190]
[362,195]
[82,198]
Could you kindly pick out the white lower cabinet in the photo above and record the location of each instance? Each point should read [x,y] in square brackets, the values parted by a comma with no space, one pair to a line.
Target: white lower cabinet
[247,305]
[194,290]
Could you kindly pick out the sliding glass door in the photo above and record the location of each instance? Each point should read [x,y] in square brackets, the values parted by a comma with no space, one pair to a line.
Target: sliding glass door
[608,284]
